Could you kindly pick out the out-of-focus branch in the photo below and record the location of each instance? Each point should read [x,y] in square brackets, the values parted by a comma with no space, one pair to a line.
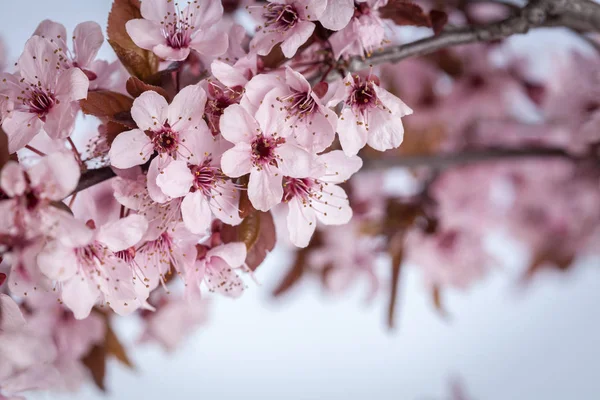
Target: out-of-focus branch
[93,177]
[467,157]
[579,15]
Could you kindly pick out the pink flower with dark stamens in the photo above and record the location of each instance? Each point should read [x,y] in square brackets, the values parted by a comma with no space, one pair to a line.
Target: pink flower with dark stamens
[318,196]
[287,22]
[171,33]
[370,115]
[43,94]
[170,131]
[261,152]
[216,268]
[307,120]
[219,98]
[91,271]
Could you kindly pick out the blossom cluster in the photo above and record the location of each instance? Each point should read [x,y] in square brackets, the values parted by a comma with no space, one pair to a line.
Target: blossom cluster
[207,134]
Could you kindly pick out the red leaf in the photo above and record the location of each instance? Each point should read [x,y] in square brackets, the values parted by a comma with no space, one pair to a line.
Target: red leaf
[136,87]
[4,154]
[405,13]
[294,275]
[257,231]
[2,276]
[106,104]
[115,348]
[436,296]
[95,362]
[438,19]
[320,89]
[139,62]
[396,250]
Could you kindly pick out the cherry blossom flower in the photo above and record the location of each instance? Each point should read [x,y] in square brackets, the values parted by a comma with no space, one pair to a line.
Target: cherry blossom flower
[216,268]
[206,191]
[262,153]
[173,130]
[319,197]
[288,22]
[307,120]
[175,318]
[371,115]
[87,40]
[171,33]
[93,271]
[363,34]
[43,94]
[219,97]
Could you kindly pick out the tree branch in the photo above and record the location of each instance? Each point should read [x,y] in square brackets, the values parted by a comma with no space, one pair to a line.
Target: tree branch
[93,177]
[580,15]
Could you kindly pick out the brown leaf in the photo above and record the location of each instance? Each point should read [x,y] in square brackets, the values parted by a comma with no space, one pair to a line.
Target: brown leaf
[115,348]
[246,207]
[111,130]
[274,59]
[95,362]
[136,87]
[139,62]
[436,297]
[106,104]
[294,274]
[4,154]
[438,19]
[396,251]
[405,13]
[549,257]
[257,231]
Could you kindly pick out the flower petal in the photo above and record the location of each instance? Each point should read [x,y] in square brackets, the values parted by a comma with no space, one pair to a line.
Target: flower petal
[298,36]
[149,111]
[80,295]
[57,262]
[265,189]
[176,179]
[225,203]
[130,148]
[146,34]
[196,213]
[234,254]
[123,233]
[55,176]
[295,162]
[301,222]
[339,167]
[72,85]
[353,137]
[186,109]
[21,127]
[236,162]
[38,62]
[237,125]
[87,40]
[12,179]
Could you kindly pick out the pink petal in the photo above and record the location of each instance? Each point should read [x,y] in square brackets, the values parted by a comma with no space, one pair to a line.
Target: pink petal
[186,109]
[237,126]
[269,114]
[265,189]
[52,31]
[21,127]
[11,316]
[57,262]
[12,179]
[123,233]
[222,279]
[393,103]
[80,295]
[386,130]
[196,143]
[68,230]
[333,207]
[227,74]
[87,40]
[315,133]
[169,53]
[72,85]
[257,88]
[352,136]
[225,203]
[60,121]
[176,179]
[128,192]
[149,111]
[339,167]
[55,176]
[211,43]
[236,162]
[337,14]
[294,162]
[234,254]
[296,80]
[297,37]
[204,13]
[301,222]
[154,190]
[196,213]
[38,62]
[130,148]
[157,10]
[146,34]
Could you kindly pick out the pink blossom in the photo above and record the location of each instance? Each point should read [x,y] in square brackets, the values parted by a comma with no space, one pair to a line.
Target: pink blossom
[171,33]
[370,115]
[288,22]
[173,131]
[206,191]
[337,14]
[319,197]
[216,268]
[43,94]
[219,97]
[307,120]
[175,318]
[94,270]
[260,151]
[363,34]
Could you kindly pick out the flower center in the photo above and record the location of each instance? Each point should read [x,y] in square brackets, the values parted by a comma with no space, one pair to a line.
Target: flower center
[363,96]
[263,150]
[40,102]
[165,141]
[301,188]
[205,177]
[177,30]
[218,100]
[361,9]
[299,104]
[126,255]
[280,17]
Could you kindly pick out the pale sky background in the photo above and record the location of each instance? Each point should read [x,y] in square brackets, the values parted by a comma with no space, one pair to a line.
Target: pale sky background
[504,343]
